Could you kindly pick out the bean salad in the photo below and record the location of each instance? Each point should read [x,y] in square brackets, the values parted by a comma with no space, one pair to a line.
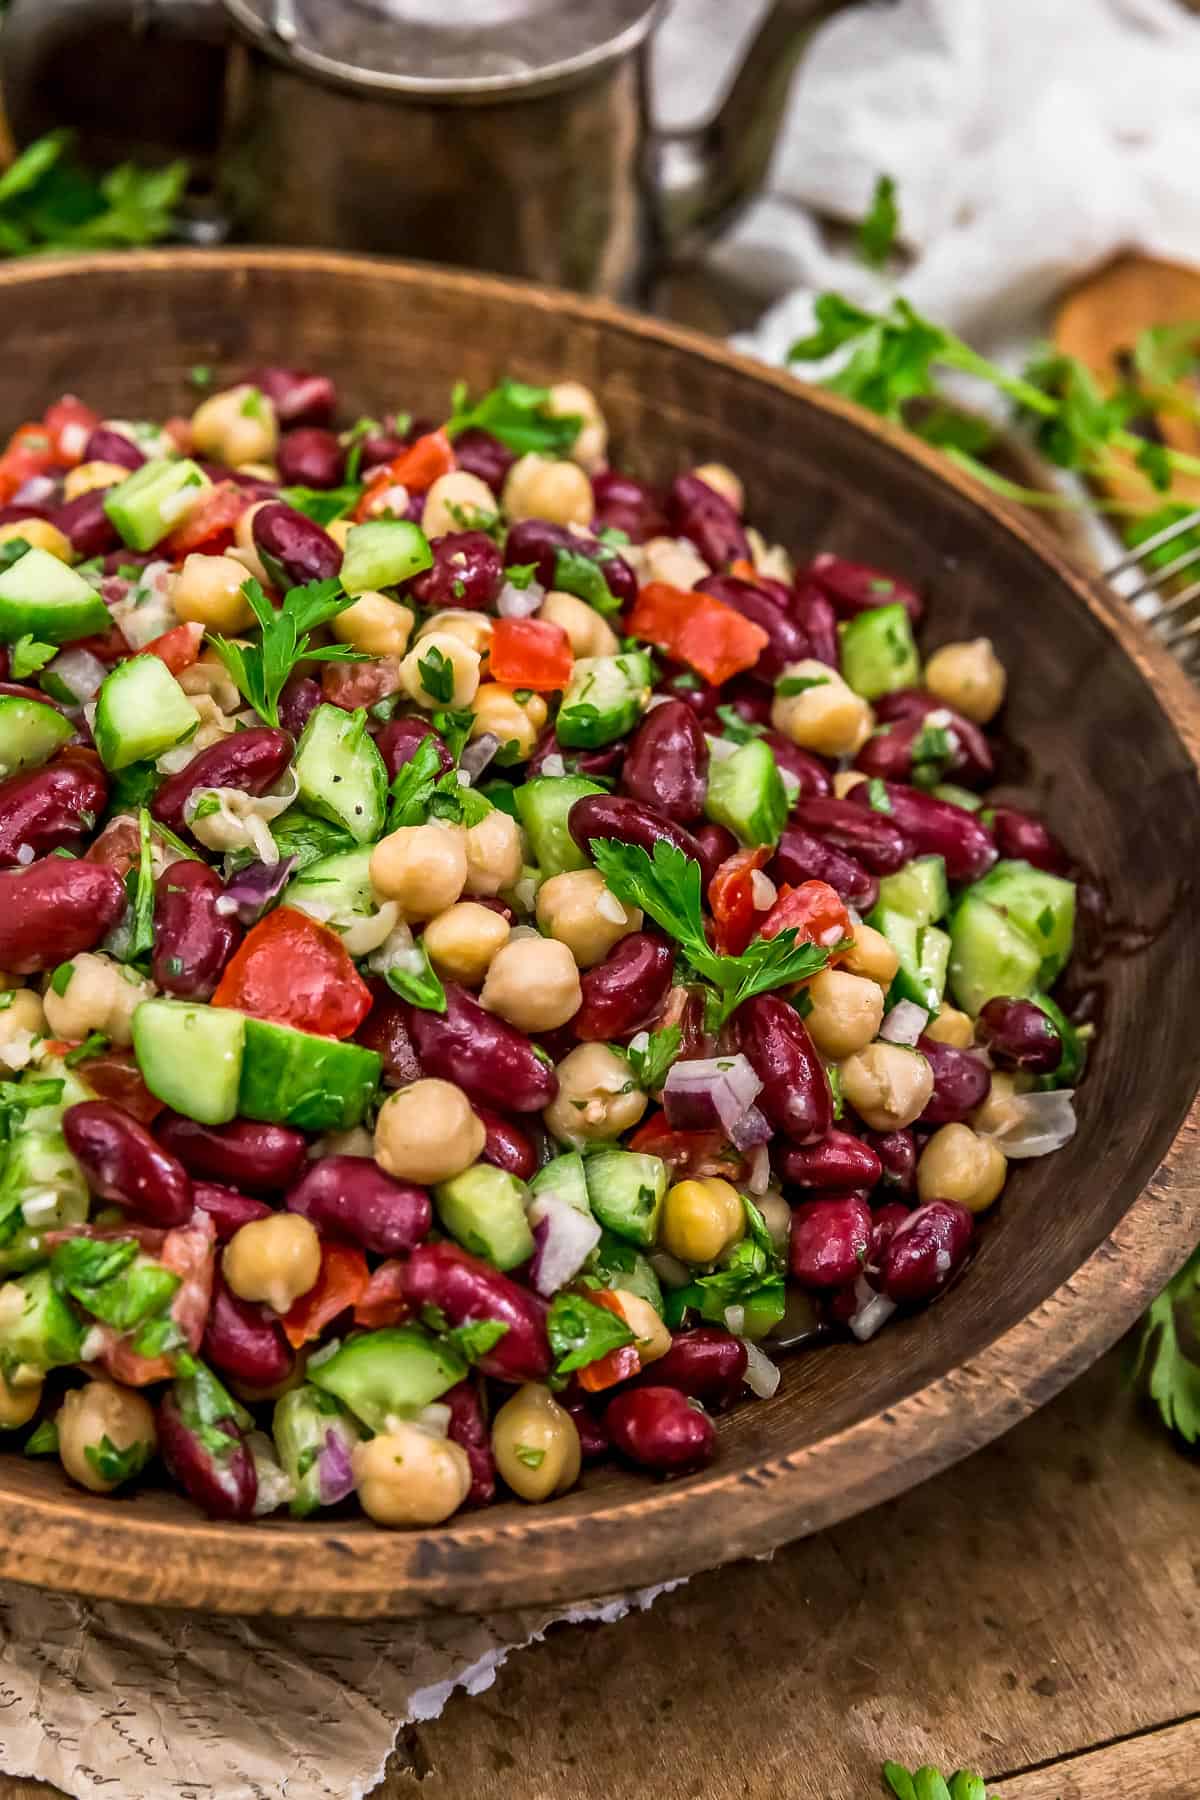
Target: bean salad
[492,951]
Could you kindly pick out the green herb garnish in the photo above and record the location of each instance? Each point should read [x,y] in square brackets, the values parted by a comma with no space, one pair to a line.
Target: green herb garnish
[260,671]
[515,413]
[877,231]
[581,1332]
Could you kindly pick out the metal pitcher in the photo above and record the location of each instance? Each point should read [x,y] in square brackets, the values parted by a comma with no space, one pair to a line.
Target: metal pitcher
[508,135]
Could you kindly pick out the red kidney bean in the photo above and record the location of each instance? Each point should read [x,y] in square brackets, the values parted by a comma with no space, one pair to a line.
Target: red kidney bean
[351,685]
[897,1153]
[1019,1035]
[378,449]
[468,1428]
[888,752]
[960,1082]
[697,512]
[749,700]
[466,1290]
[972,757]
[936,828]
[625,992]
[707,1363]
[5,661]
[251,761]
[87,525]
[310,457]
[301,696]
[385,1030]
[243,1340]
[400,739]
[298,396]
[717,843]
[508,1146]
[481,454]
[594,763]
[681,684]
[193,940]
[926,1250]
[593,1439]
[263,1159]
[467,571]
[51,807]
[795,1092]
[349,1198]
[808,771]
[829,1241]
[885,1223]
[838,1160]
[537,541]
[799,856]
[666,762]
[483,1054]
[787,639]
[112,447]
[12,515]
[294,548]
[1024,838]
[661,1429]
[227,1209]
[222,1483]
[624,504]
[856,587]
[54,909]
[631,822]
[123,1164]
[870,837]
[20,691]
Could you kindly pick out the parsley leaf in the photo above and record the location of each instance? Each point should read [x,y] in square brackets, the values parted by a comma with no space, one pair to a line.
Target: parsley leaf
[437,675]
[205,1406]
[1171,1378]
[323,505]
[575,573]
[581,1332]
[476,1338]
[48,201]
[112,1280]
[94,1044]
[260,671]
[454,728]
[877,231]
[652,1064]
[420,987]
[519,575]
[737,729]
[141,940]
[532,1459]
[933,752]
[515,413]
[18,1097]
[799,684]
[752,1279]
[878,795]
[413,786]
[28,656]
[115,1466]
[12,550]
[42,1440]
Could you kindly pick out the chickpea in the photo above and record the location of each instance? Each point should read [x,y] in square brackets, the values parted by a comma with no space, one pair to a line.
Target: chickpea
[422,867]
[455,502]
[247,550]
[236,427]
[772,560]
[86,477]
[516,723]
[533,983]
[651,1337]
[24,1012]
[461,942]
[777,1217]
[535,1444]
[99,995]
[18,1401]
[968,676]
[587,633]
[339,530]
[722,480]
[570,399]
[847,1011]
[99,1411]
[427,1132]
[828,717]
[474,629]
[595,1099]
[536,487]
[845,781]
[40,534]
[949,1026]
[888,1085]
[274,1260]
[380,626]
[407,1476]
[494,855]
[997,1109]
[449,664]
[871,955]
[208,590]
[673,560]
[957,1164]
[700,1219]
[578,909]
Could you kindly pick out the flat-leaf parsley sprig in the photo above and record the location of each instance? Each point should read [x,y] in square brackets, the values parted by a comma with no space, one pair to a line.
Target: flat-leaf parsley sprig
[260,671]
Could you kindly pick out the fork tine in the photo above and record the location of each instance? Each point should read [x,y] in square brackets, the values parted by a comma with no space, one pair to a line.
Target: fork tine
[1156,578]
[1166,536]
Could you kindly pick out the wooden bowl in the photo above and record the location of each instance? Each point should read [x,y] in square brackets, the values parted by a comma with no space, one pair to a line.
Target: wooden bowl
[1104,734]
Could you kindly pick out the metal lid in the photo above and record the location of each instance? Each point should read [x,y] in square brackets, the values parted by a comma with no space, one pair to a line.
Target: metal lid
[447,49]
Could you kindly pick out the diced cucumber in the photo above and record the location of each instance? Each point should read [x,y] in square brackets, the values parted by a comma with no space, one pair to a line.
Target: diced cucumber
[341,773]
[300,1425]
[542,807]
[1040,905]
[924,953]
[38,1330]
[563,1179]
[619,1265]
[30,733]
[989,955]
[292,1077]
[879,654]
[383,552]
[388,1374]
[43,1177]
[604,699]
[484,1210]
[336,890]
[1074,1047]
[149,504]
[918,890]
[626,1190]
[191,1057]
[957,796]
[141,710]
[43,598]
[746,794]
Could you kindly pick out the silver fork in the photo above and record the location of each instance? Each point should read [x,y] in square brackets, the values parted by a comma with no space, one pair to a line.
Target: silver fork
[1172,612]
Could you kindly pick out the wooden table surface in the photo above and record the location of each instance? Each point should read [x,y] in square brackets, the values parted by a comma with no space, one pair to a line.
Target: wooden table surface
[1032,1614]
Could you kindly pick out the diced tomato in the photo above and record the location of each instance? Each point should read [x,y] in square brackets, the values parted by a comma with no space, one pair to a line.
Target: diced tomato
[731,898]
[617,1365]
[354,684]
[744,570]
[179,430]
[416,468]
[340,1286]
[695,629]
[813,910]
[383,1301]
[530,653]
[188,1252]
[295,972]
[178,648]
[686,1152]
[209,525]
[29,452]
[114,1075]
[70,424]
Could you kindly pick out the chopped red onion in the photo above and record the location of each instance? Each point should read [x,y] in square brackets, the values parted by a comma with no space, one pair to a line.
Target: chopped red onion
[1036,1124]
[762,1377]
[477,755]
[751,1131]
[904,1024]
[759,1178]
[253,888]
[564,1237]
[335,1476]
[519,603]
[871,1310]
[33,492]
[80,672]
[710,1093]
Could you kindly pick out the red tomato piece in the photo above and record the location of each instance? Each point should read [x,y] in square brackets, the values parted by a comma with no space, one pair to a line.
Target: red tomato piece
[178,648]
[295,972]
[617,1365]
[382,1301]
[179,430]
[731,899]
[686,1152]
[695,629]
[530,653]
[340,1286]
[188,1251]
[209,525]
[812,910]
[416,468]
[115,1076]
[70,424]
[29,452]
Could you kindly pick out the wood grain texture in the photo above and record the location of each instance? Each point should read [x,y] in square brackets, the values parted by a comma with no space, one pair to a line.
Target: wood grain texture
[1164,1765]
[1103,733]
